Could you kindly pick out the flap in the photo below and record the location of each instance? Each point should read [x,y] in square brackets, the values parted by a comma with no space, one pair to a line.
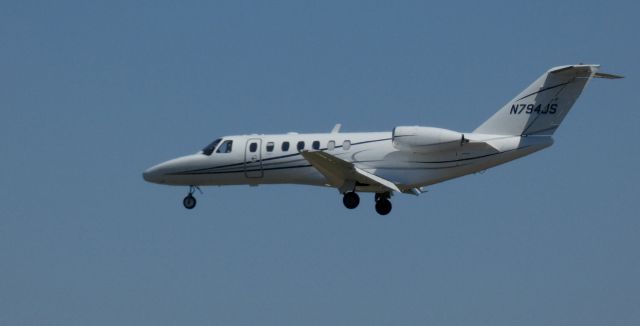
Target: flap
[340,172]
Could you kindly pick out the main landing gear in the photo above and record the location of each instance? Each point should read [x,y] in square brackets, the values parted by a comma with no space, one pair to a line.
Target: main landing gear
[383,205]
[189,202]
[351,200]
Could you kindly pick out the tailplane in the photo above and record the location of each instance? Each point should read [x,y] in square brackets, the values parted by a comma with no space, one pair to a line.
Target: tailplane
[541,107]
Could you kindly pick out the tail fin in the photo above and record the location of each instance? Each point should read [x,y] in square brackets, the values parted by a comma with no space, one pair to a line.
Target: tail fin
[541,107]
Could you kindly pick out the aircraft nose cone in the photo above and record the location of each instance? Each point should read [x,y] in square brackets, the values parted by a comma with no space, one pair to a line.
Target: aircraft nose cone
[164,173]
[152,174]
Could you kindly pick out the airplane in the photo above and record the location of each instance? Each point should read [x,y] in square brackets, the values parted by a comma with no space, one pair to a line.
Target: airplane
[404,160]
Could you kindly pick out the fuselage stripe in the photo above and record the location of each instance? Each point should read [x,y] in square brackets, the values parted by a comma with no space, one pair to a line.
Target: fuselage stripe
[253,169]
[243,163]
[543,90]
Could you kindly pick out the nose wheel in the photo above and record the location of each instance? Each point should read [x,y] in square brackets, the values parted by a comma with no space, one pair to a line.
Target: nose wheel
[189,202]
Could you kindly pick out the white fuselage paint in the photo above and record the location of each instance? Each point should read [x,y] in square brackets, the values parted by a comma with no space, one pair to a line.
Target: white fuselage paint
[373,152]
[403,160]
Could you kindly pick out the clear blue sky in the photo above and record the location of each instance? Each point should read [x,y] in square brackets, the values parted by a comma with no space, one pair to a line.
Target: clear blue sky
[93,93]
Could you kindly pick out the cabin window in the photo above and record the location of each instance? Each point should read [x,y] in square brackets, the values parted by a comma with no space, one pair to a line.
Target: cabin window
[253,147]
[346,145]
[209,149]
[285,146]
[270,146]
[315,145]
[331,145]
[225,147]
[300,145]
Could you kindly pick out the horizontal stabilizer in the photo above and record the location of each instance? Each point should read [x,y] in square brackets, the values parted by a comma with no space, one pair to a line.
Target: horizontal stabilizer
[607,76]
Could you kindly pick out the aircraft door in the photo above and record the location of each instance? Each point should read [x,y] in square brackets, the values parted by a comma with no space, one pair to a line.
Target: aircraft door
[253,158]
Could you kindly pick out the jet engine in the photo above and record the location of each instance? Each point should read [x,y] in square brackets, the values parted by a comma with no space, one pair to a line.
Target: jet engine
[426,139]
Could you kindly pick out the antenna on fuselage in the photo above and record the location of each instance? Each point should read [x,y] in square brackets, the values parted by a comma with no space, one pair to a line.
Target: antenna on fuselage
[336,128]
[463,140]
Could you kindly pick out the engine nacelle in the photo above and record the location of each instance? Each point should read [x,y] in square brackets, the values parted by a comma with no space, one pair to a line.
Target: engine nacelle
[426,139]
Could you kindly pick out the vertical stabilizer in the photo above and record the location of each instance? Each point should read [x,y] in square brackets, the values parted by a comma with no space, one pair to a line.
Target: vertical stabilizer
[541,107]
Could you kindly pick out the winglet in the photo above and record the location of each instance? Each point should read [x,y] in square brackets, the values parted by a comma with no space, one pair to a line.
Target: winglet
[336,128]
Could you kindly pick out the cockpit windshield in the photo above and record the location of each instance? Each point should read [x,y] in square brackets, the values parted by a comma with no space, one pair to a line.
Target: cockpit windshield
[225,147]
[209,149]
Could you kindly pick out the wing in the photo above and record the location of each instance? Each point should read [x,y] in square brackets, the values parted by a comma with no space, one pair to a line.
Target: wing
[341,173]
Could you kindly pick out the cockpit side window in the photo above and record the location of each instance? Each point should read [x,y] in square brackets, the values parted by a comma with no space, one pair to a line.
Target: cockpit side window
[225,147]
[209,149]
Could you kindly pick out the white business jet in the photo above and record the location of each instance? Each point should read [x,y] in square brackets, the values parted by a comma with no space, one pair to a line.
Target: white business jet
[404,160]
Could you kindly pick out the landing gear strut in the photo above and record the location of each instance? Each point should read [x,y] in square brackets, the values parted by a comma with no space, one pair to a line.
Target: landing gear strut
[351,200]
[383,205]
[189,202]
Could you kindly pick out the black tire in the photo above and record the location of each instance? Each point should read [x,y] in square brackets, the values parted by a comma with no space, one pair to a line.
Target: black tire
[189,202]
[351,200]
[383,206]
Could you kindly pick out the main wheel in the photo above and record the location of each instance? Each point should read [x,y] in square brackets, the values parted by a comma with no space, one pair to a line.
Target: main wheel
[383,206]
[189,202]
[351,200]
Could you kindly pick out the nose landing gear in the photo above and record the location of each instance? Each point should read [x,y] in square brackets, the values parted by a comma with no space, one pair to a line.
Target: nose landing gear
[189,202]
